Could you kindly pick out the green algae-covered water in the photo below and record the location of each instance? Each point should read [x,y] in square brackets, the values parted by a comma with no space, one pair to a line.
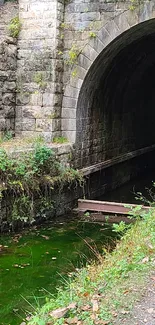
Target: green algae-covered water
[40,259]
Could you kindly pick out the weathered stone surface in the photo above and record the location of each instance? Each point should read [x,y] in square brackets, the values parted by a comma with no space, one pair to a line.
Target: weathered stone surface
[57,62]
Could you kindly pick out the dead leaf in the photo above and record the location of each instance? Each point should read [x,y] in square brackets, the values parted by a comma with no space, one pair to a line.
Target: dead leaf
[95,305]
[46,237]
[93,317]
[126,292]
[145,259]
[153,278]
[58,313]
[72,305]
[124,312]
[114,314]
[73,320]
[86,307]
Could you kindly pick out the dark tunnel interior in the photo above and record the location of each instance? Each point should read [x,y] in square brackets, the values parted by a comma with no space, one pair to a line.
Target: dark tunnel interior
[116,105]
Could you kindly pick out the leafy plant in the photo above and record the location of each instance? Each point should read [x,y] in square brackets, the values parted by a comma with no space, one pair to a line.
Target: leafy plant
[60,140]
[92,34]
[14,27]
[39,79]
[73,54]
[120,227]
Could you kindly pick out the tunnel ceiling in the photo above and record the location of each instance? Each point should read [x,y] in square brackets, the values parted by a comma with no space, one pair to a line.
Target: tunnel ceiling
[116,105]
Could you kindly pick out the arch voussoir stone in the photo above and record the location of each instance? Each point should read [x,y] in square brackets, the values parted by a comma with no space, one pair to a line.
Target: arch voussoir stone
[112,29]
[104,36]
[71,92]
[122,22]
[84,61]
[90,52]
[97,44]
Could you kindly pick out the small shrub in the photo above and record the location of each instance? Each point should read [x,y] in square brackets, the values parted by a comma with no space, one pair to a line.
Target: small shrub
[14,27]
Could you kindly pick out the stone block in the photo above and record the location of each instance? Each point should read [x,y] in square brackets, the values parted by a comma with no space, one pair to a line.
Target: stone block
[70,135]
[56,125]
[122,22]
[9,86]
[112,29]
[48,99]
[71,92]
[22,98]
[75,82]
[83,61]
[69,102]
[19,110]
[18,125]
[90,52]
[28,124]
[44,125]
[9,112]
[64,149]
[32,112]
[90,16]
[36,98]
[97,44]
[69,113]
[68,124]
[8,99]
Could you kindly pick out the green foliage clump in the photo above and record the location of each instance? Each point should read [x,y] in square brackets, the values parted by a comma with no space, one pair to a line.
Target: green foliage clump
[92,34]
[39,79]
[28,176]
[6,136]
[73,54]
[14,27]
[60,140]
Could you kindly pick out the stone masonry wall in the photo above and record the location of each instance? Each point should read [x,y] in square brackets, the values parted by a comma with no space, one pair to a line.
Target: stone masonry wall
[39,69]
[82,21]
[8,58]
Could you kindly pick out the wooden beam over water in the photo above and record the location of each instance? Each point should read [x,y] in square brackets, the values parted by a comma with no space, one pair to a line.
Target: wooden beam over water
[116,160]
[108,207]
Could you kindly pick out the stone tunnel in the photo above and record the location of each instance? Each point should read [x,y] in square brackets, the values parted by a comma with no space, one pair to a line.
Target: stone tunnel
[83,71]
[116,103]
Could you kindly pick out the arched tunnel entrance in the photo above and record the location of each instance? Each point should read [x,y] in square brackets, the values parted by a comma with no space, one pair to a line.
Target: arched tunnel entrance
[116,105]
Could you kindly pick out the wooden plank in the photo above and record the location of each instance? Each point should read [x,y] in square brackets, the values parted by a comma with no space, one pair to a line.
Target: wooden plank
[111,162]
[107,207]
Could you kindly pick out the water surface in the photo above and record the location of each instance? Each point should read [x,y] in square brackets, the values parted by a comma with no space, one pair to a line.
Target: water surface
[40,259]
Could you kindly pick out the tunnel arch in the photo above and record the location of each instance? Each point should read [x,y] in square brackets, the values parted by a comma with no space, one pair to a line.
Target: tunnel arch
[115,100]
[116,105]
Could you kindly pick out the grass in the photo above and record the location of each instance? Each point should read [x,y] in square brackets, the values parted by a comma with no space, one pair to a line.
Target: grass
[105,292]
[7,141]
